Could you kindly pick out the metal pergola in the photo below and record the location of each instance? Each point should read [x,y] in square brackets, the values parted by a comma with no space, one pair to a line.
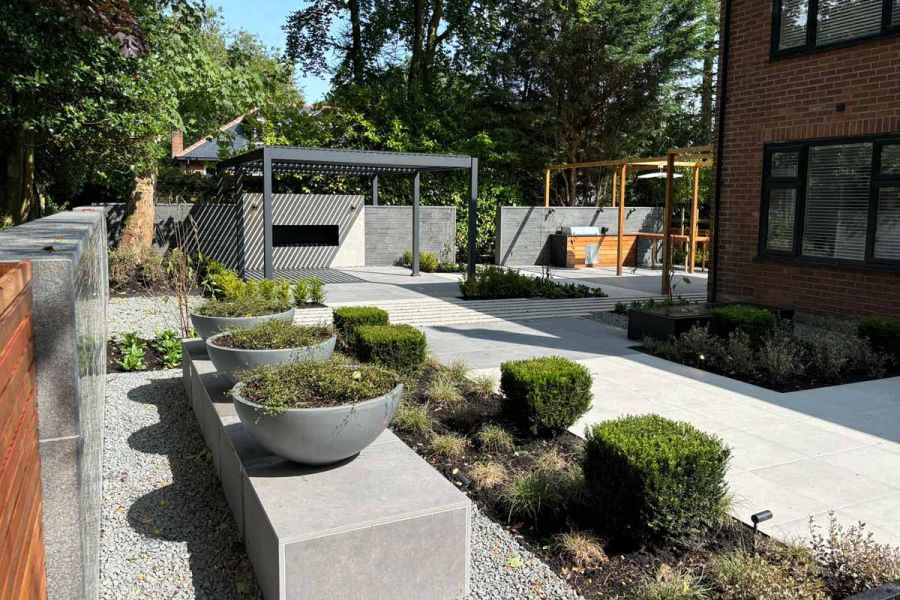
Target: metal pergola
[269,160]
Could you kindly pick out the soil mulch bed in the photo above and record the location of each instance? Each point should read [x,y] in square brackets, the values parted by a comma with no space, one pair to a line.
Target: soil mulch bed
[627,568]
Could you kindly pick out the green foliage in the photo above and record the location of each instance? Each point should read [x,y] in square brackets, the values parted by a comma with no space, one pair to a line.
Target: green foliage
[428,261]
[541,494]
[448,445]
[301,292]
[246,306]
[758,323]
[399,347]
[168,344]
[442,390]
[132,347]
[493,438]
[414,418]
[673,584]
[492,282]
[309,290]
[653,478]
[275,335]
[851,558]
[545,394]
[786,574]
[348,318]
[315,384]
[136,268]
[883,333]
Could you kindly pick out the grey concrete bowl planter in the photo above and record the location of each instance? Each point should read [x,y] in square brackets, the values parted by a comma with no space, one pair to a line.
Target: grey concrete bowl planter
[318,436]
[208,326]
[228,360]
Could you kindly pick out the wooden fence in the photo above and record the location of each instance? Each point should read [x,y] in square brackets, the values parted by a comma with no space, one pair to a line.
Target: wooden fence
[22,568]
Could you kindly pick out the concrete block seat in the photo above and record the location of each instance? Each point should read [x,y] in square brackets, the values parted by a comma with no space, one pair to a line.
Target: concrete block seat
[384,525]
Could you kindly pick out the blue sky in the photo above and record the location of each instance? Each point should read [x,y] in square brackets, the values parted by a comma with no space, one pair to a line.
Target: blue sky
[265,18]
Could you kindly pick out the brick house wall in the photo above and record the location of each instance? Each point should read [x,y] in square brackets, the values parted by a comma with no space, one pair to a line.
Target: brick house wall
[792,99]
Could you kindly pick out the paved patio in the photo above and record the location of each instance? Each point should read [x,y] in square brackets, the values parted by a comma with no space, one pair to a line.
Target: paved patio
[798,454]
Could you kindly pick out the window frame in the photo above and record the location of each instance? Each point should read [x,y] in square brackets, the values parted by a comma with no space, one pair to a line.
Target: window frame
[812,20]
[878,181]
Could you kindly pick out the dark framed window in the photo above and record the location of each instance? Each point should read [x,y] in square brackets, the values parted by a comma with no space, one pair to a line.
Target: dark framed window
[800,26]
[834,201]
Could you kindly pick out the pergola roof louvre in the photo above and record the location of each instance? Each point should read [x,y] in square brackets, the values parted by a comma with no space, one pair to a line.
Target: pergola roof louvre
[269,160]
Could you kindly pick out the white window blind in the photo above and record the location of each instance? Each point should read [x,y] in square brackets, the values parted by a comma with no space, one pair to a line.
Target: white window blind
[837,201]
[887,228]
[890,158]
[794,14]
[780,229]
[841,20]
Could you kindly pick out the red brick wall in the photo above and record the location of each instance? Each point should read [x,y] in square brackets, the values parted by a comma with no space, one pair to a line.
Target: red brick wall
[791,99]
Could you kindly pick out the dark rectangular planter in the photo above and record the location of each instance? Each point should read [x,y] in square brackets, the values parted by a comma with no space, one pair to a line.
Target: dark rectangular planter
[663,322]
[890,591]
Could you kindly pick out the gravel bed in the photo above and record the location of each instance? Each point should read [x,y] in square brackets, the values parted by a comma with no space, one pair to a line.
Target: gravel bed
[167,531]
[146,315]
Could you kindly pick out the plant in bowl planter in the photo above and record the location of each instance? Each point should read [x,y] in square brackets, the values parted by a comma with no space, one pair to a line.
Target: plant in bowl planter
[317,413]
[269,343]
[215,316]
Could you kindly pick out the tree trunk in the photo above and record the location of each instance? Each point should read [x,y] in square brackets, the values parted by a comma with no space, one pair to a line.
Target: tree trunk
[356,59]
[140,212]
[415,62]
[19,189]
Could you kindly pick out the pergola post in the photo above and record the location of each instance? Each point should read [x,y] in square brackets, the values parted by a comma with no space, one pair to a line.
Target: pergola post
[667,225]
[473,218]
[268,262]
[621,228]
[415,225]
[547,188]
[615,187]
[695,216]
[374,190]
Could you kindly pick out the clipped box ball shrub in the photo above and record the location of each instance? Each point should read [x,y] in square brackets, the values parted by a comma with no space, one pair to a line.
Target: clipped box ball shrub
[348,318]
[399,347]
[545,394]
[654,478]
[883,334]
[758,323]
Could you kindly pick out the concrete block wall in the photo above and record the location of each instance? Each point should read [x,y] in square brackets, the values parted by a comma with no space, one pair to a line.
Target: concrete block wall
[389,232]
[70,292]
[523,231]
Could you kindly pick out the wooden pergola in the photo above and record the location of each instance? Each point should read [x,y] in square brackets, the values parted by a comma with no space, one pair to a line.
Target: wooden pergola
[694,158]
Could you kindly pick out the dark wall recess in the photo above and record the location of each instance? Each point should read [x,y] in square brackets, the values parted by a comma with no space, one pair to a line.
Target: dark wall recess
[305,235]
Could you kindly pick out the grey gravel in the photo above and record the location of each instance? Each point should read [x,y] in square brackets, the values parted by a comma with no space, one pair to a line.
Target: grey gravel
[146,315]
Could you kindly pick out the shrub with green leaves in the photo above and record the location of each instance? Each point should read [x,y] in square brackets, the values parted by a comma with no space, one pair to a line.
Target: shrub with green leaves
[883,333]
[348,318]
[244,306]
[428,261]
[315,384]
[492,282]
[758,323]
[316,290]
[168,344]
[650,477]
[788,573]
[275,335]
[301,292]
[399,347]
[541,494]
[546,394]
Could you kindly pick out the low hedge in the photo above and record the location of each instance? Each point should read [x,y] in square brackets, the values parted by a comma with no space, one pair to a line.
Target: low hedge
[883,334]
[651,478]
[348,318]
[545,394]
[399,347]
[758,323]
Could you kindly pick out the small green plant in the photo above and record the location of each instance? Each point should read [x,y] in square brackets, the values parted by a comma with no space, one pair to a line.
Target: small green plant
[314,384]
[651,477]
[414,418]
[584,550]
[492,282]
[883,334]
[442,391]
[275,335]
[245,306]
[448,445]
[132,339]
[789,574]
[480,385]
[132,359]
[399,347]
[545,394]
[428,261]
[168,344]
[540,494]
[348,318]
[851,558]
[757,323]
[676,584]
[316,291]
[301,292]
[493,438]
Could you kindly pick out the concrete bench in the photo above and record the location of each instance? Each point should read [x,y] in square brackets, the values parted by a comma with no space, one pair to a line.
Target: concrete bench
[382,525]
